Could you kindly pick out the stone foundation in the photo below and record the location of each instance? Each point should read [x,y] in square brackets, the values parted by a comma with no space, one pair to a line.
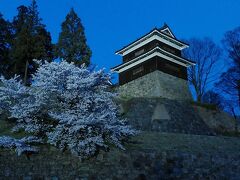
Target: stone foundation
[157,84]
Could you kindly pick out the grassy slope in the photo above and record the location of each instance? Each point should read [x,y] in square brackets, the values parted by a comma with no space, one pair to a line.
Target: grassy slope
[186,143]
[166,141]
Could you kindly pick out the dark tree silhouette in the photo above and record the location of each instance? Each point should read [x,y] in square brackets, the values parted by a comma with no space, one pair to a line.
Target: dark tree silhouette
[31,41]
[206,54]
[5,46]
[229,82]
[211,97]
[72,44]
[231,42]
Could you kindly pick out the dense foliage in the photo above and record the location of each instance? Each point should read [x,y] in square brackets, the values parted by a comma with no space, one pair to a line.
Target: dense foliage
[5,45]
[22,40]
[31,40]
[72,44]
[20,145]
[70,106]
[26,38]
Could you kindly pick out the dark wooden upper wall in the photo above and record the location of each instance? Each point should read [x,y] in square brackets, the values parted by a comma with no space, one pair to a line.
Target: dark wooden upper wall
[148,47]
[156,63]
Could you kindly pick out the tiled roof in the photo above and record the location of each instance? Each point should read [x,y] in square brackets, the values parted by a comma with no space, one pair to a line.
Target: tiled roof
[157,29]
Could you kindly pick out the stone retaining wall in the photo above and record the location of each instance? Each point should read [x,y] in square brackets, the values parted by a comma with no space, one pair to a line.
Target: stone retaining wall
[157,84]
[164,115]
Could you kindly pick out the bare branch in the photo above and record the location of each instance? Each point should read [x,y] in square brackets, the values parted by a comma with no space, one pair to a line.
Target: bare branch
[206,54]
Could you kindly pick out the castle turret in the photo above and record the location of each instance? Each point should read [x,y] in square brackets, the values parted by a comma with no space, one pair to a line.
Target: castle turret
[154,67]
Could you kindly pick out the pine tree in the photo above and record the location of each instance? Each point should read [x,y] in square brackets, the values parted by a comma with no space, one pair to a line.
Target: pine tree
[21,19]
[34,19]
[5,46]
[31,41]
[72,44]
[22,43]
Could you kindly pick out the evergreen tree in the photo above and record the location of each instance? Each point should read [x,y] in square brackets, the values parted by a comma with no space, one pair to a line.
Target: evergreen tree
[72,44]
[31,41]
[22,43]
[34,19]
[5,45]
[21,19]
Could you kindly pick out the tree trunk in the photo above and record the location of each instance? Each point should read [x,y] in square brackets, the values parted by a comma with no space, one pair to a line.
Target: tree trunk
[239,97]
[235,118]
[238,93]
[25,73]
[199,98]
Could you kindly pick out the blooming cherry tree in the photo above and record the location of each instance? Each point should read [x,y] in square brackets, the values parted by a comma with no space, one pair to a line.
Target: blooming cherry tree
[11,92]
[20,145]
[71,106]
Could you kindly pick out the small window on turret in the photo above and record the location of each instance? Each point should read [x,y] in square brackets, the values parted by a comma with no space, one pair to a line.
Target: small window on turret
[138,70]
[139,52]
[172,67]
[169,49]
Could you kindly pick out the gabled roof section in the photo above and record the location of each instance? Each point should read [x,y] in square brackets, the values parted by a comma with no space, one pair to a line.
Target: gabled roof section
[166,30]
[157,51]
[155,33]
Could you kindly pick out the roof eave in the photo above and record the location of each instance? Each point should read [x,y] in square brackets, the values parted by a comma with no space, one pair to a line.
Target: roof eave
[121,51]
[187,62]
[117,68]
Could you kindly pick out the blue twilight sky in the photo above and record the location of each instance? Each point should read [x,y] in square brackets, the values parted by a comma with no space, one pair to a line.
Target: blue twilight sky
[111,24]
